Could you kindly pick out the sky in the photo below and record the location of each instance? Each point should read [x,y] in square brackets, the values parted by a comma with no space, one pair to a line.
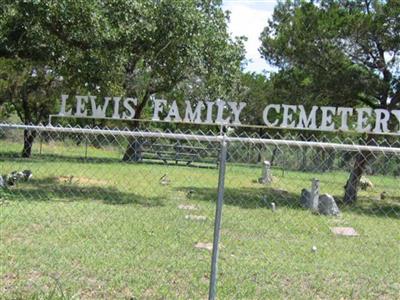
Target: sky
[248,18]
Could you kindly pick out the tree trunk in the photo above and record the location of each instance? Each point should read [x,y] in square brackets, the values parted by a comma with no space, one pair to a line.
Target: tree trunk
[135,145]
[351,187]
[29,137]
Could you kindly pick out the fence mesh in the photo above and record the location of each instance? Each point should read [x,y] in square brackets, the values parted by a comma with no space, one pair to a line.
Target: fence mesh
[100,213]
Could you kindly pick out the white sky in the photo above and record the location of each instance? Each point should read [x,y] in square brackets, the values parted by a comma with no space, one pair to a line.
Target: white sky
[248,18]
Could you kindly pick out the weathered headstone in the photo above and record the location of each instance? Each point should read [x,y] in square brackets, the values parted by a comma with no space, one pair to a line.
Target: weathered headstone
[324,204]
[2,182]
[266,176]
[327,205]
[27,174]
[314,197]
[273,207]
[11,179]
[309,198]
[305,198]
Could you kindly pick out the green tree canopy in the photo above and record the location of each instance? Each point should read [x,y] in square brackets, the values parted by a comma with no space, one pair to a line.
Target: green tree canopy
[345,51]
[125,47]
[340,52]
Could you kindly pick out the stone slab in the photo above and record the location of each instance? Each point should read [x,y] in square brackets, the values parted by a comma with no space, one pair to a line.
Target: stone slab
[345,231]
[195,218]
[204,246]
[187,207]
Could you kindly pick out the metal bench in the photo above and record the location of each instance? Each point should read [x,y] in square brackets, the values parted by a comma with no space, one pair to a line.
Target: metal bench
[179,153]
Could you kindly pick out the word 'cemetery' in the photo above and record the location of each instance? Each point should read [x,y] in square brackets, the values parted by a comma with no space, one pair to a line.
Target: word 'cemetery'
[325,118]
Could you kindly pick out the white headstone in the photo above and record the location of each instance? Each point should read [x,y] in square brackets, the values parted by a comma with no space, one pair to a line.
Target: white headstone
[305,198]
[266,173]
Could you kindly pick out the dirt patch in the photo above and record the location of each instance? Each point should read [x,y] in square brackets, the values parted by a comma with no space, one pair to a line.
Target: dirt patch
[80,180]
[94,289]
[8,282]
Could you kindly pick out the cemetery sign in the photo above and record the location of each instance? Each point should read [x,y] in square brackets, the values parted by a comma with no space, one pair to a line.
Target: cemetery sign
[323,118]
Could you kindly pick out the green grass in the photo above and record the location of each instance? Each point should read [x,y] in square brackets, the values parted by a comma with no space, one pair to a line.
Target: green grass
[99,228]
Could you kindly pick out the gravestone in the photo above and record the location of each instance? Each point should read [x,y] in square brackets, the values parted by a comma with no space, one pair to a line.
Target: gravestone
[27,175]
[324,204]
[314,197]
[309,198]
[205,246]
[327,205]
[2,182]
[11,179]
[305,198]
[266,176]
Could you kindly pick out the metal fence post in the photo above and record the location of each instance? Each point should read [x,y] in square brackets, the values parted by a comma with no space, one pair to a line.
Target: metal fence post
[217,224]
[41,143]
[86,146]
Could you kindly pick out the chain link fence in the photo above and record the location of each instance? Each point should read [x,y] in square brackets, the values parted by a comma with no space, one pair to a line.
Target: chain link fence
[99,213]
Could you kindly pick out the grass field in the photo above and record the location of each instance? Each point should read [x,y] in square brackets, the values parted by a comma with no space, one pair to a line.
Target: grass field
[98,228]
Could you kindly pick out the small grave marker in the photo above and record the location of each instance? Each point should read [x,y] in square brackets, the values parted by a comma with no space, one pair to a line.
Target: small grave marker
[195,218]
[266,176]
[188,207]
[204,246]
[345,231]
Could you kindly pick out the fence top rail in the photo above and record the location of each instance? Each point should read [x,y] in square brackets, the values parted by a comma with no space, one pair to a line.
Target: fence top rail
[217,125]
[202,137]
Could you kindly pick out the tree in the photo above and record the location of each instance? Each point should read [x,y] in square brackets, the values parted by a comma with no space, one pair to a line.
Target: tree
[347,51]
[28,89]
[137,48]
[36,63]
[188,45]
